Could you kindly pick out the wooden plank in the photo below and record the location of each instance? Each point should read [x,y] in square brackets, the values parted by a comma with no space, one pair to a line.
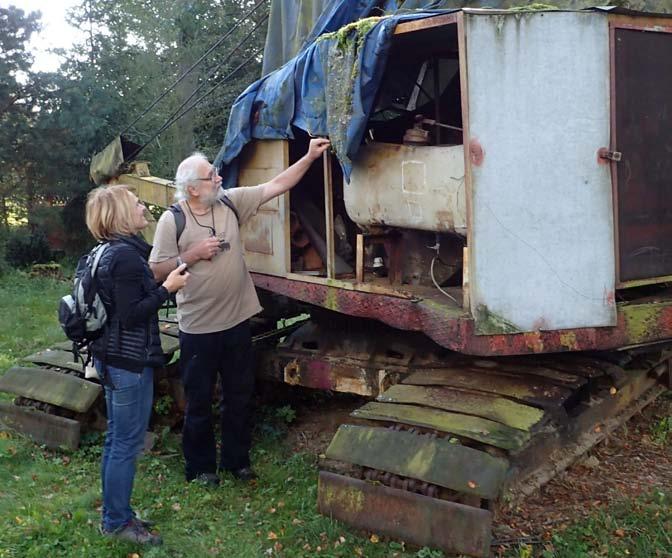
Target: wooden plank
[433,460]
[61,359]
[350,286]
[359,259]
[465,426]
[413,518]
[515,415]
[425,23]
[63,390]
[51,430]
[329,215]
[542,394]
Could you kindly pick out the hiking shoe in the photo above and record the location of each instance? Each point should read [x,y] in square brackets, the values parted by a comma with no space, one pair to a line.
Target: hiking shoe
[245,474]
[144,522]
[209,479]
[134,532]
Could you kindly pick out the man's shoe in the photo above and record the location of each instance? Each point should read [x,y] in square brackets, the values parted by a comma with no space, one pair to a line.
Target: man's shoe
[210,479]
[134,532]
[244,474]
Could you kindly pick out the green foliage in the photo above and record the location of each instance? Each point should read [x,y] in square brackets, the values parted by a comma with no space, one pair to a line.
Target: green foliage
[286,414]
[24,247]
[163,404]
[661,433]
[52,124]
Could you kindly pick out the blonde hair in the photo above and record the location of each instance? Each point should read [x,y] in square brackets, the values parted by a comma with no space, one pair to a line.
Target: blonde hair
[110,212]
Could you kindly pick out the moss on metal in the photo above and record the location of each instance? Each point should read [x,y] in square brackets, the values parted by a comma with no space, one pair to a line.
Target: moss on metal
[489,323]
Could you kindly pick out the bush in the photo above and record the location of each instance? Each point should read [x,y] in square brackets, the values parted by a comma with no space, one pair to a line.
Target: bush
[24,248]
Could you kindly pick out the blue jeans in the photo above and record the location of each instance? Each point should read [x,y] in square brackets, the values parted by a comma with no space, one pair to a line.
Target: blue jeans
[129,407]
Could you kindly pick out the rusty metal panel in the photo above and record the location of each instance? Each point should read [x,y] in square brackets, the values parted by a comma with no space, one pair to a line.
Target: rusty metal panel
[417,187]
[416,519]
[541,235]
[433,460]
[643,120]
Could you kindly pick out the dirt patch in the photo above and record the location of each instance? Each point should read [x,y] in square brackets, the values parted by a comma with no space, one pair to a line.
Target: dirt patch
[317,420]
[629,463]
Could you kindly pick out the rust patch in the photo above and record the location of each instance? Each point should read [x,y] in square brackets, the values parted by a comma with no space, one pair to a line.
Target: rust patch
[476,153]
[602,153]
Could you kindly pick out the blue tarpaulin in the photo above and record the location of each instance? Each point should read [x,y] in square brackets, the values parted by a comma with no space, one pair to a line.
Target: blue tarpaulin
[326,90]
[329,87]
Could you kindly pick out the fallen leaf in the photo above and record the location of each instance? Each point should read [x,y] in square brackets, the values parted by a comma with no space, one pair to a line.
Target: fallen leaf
[374,539]
[272,536]
[176,506]
[619,533]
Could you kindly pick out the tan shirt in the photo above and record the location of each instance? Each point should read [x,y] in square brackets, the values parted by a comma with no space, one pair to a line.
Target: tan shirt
[220,293]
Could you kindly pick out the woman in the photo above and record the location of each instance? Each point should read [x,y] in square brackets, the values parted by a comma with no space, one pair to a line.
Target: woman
[127,353]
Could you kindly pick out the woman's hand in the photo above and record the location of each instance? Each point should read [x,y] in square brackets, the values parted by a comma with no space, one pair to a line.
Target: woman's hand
[176,279]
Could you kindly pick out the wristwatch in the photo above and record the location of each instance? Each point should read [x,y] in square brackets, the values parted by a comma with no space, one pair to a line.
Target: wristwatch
[179,262]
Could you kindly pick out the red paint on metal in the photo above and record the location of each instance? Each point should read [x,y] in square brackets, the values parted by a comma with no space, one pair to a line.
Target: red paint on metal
[476,153]
[458,332]
[318,375]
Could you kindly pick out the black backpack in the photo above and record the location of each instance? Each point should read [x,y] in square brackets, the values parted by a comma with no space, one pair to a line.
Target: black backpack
[181,220]
[82,314]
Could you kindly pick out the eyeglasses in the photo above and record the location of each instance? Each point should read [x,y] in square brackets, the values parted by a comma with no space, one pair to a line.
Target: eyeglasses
[212,175]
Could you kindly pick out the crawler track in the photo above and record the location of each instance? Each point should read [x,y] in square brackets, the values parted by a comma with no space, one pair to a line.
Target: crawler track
[432,456]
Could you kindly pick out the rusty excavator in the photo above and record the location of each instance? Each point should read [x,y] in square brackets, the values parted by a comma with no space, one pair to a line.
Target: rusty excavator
[485,255]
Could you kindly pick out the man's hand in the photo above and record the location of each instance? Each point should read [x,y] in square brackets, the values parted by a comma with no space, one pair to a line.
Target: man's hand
[317,147]
[206,249]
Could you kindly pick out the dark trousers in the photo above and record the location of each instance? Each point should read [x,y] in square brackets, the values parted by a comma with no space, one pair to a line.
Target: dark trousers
[204,356]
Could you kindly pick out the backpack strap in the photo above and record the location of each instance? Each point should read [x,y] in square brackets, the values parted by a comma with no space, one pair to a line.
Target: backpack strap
[226,200]
[181,220]
[97,253]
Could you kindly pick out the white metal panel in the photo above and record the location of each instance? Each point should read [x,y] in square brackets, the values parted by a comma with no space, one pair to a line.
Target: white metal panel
[541,238]
[418,187]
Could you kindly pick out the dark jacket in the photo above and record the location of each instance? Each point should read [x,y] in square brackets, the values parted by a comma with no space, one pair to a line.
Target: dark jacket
[132,298]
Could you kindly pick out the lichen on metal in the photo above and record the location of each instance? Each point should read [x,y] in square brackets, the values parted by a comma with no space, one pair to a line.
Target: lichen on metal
[489,323]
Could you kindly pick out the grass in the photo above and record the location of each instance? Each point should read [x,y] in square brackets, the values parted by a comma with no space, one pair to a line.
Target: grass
[28,308]
[49,501]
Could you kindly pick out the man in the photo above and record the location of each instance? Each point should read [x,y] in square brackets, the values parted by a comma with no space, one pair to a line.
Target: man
[214,309]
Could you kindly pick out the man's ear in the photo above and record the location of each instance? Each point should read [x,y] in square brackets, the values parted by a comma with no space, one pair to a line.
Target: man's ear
[192,190]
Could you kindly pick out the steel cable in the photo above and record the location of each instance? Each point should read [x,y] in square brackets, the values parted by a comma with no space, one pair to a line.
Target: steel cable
[194,65]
